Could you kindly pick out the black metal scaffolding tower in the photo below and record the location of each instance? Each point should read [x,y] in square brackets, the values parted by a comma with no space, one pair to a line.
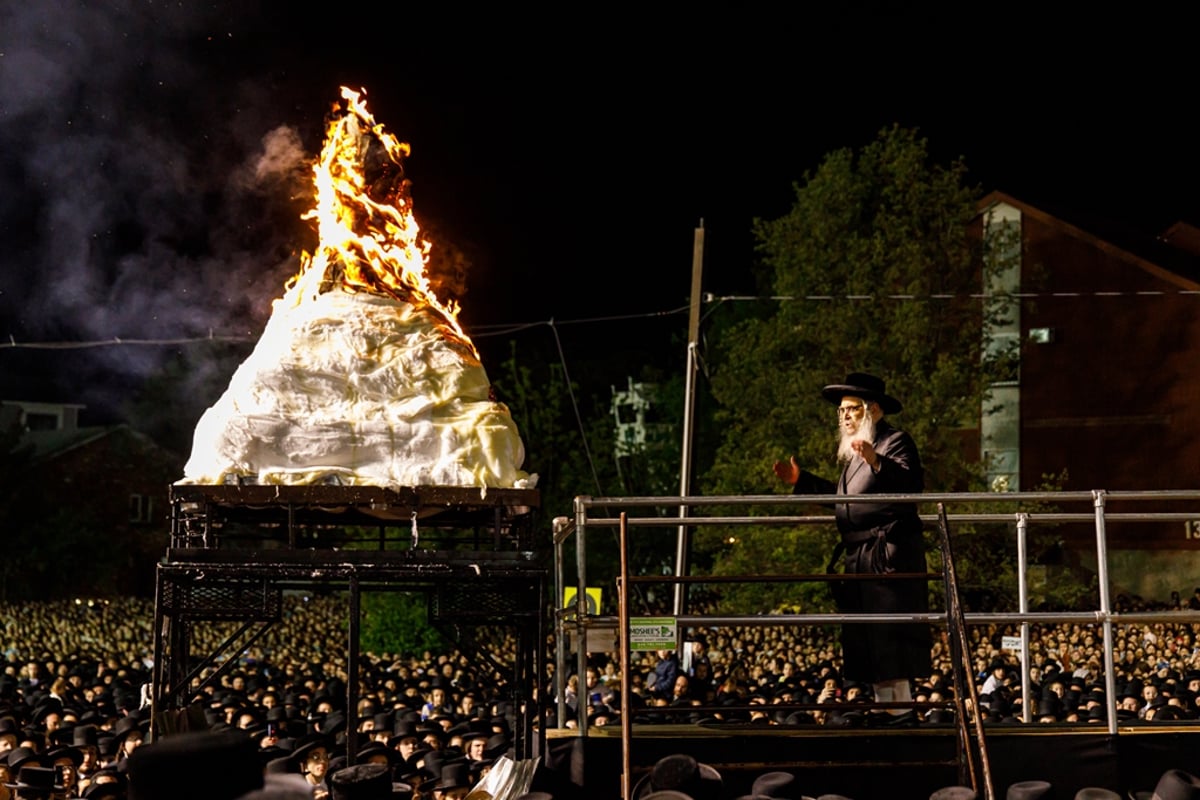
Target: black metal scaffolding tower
[234,550]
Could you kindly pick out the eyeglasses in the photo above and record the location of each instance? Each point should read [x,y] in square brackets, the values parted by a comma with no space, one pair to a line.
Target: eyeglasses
[850,411]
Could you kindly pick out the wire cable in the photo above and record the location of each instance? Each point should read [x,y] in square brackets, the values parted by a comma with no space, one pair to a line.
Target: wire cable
[505,329]
[575,407]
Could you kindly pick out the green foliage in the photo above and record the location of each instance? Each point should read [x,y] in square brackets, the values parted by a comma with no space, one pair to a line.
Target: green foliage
[882,238]
[569,442]
[986,559]
[568,436]
[882,226]
[397,622]
[767,551]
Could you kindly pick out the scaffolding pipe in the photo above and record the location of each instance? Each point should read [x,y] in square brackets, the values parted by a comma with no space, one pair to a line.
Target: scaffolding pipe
[626,683]
[1103,616]
[1023,607]
[1110,678]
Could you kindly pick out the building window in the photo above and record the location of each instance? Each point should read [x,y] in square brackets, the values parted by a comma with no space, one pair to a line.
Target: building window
[141,508]
[41,422]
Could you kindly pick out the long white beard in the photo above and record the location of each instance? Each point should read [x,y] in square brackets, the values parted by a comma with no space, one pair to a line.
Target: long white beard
[865,433]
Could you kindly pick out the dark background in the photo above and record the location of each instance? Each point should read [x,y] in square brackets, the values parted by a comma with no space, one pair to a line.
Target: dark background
[569,154]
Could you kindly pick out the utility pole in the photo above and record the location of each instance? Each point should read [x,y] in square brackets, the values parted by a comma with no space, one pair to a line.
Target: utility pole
[689,413]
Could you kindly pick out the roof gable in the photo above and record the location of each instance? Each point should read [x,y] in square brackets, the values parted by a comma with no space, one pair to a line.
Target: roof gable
[1155,255]
[48,445]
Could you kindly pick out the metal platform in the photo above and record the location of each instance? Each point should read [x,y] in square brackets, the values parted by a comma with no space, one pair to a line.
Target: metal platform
[332,517]
[234,550]
[862,763]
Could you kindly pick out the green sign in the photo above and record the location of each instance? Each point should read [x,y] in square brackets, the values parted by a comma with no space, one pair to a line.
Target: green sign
[653,633]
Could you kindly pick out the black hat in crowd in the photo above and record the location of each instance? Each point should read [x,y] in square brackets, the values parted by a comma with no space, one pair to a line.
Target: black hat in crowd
[19,756]
[109,776]
[361,782]
[954,793]
[773,784]
[85,736]
[104,791]
[455,775]
[681,773]
[372,749]
[201,765]
[36,781]
[1175,784]
[1028,790]
[125,726]
[64,751]
[868,387]
[497,745]
[403,729]
[305,745]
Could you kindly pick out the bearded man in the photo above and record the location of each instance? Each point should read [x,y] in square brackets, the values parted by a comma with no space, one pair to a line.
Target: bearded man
[879,538]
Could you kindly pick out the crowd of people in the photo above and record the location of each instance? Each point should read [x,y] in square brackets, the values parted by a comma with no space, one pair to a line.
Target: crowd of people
[75,687]
[761,674]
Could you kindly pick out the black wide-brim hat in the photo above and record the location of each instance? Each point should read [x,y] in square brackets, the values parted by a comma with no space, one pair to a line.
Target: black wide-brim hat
[1028,790]
[195,764]
[361,782]
[36,779]
[455,775]
[127,725]
[64,751]
[305,745]
[18,756]
[1176,784]
[868,387]
[682,773]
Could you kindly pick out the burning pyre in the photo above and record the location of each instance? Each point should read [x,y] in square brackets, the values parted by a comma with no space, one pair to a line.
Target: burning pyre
[362,375]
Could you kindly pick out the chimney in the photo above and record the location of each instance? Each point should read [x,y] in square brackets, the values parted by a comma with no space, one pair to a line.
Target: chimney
[1182,236]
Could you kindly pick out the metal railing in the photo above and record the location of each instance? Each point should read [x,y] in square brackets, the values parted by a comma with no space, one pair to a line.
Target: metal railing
[697,511]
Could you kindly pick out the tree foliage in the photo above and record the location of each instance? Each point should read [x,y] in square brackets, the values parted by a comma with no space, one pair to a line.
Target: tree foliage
[398,623]
[876,271]
[568,439]
[568,436]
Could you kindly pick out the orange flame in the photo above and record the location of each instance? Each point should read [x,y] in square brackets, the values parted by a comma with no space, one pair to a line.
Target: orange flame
[369,240]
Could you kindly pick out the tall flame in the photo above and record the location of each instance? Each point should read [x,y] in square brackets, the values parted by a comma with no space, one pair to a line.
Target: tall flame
[369,240]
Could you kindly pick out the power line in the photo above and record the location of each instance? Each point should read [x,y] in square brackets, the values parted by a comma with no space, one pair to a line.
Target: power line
[479,332]
[779,298]
[505,329]
[117,341]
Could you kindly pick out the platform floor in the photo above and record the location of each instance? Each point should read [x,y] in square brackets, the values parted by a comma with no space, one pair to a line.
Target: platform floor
[863,764]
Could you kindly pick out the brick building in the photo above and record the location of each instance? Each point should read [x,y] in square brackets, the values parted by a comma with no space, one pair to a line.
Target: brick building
[1107,327]
[94,495]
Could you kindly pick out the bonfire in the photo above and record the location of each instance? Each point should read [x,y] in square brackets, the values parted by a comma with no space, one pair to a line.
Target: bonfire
[363,375]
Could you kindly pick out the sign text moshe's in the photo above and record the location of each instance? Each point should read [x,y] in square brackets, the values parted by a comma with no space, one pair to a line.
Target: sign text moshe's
[653,633]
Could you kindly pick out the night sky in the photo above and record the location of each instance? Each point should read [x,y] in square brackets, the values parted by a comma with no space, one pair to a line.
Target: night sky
[151,153]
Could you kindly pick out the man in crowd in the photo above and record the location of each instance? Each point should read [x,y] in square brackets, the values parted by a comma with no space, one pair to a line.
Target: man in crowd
[664,675]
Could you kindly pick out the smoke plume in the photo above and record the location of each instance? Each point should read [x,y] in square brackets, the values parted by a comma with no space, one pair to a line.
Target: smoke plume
[149,190]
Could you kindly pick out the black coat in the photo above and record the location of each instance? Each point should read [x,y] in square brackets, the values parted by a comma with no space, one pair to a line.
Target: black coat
[882,538]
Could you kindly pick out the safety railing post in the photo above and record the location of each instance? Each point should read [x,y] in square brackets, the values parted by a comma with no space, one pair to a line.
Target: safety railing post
[580,608]
[1110,679]
[1023,607]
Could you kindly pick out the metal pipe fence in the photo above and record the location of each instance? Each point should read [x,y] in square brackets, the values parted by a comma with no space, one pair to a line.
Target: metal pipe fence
[645,516]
